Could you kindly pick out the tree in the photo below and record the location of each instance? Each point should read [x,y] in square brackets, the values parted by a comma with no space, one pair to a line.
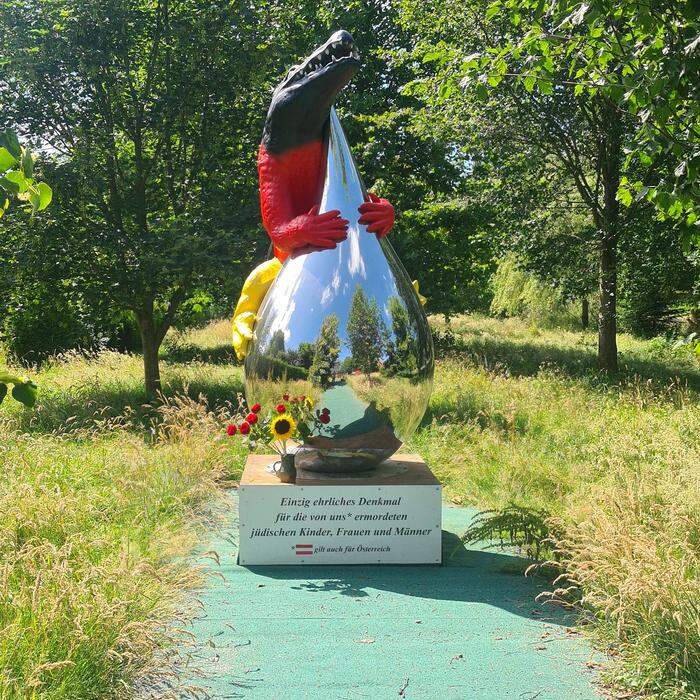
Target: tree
[401,344]
[641,57]
[481,79]
[365,331]
[133,95]
[17,179]
[558,246]
[276,347]
[326,352]
[303,356]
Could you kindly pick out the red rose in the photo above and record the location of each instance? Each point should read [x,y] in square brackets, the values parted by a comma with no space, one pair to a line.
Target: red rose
[244,428]
[285,397]
[324,418]
[281,408]
[256,407]
[251,418]
[231,429]
[325,412]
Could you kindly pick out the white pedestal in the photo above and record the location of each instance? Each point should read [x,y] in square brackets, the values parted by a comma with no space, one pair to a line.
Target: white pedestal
[392,515]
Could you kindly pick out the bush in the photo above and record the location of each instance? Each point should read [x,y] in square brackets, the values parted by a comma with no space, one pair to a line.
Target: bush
[40,324]
[517,292]
[41,321]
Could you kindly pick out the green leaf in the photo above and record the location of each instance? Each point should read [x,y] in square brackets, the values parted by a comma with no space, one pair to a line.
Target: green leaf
[3,391]
[25,393]
[624,196]
[7,160]
[17,177]
[8,140]
[482,91]
[9,185]
[27,163]
[545,87]
[433,56]
[529,82]
[446,89]
[45,195]
[34,199]
[493,10]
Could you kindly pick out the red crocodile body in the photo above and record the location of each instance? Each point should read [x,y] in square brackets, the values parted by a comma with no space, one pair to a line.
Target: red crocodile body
[290,192]
[291,158]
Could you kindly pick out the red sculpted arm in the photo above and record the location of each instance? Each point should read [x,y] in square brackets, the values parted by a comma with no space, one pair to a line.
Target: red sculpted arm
[292,231]
[377,215]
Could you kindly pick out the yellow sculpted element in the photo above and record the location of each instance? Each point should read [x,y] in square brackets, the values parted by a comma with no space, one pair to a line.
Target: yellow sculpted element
[254,290]
[421,298]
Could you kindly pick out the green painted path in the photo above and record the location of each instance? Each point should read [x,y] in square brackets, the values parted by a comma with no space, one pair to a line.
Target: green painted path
[467,629]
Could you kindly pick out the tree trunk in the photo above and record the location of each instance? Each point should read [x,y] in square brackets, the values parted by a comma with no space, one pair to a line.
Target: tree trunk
[608,229]
[151,368]
[150,342]
[584,314]
[607,318]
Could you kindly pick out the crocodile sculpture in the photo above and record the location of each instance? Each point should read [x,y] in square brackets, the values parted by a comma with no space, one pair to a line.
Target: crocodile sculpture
[291,157]
[291,169]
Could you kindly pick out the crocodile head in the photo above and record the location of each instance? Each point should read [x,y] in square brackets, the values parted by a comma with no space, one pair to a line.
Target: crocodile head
[301,102]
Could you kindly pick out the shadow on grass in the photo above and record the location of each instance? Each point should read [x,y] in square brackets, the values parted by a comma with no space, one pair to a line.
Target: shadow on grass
[100,407]
[468,407]
[466,575]
[189,352]
[520,358]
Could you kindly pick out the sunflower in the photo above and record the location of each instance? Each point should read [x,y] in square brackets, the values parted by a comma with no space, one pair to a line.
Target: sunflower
[283,426]
[309,402]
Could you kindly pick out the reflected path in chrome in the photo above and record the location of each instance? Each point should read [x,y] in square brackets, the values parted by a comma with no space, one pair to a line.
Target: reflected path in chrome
[345,328]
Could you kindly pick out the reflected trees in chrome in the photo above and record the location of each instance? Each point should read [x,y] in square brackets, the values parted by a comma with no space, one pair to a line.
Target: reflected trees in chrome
[345,327]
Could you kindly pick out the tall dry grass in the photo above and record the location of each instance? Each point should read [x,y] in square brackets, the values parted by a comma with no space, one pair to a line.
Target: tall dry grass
[99,502]
[101,494]
[520,416]
[633,550]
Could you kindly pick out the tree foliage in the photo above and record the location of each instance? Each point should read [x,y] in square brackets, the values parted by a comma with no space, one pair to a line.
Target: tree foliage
[17,180]
[365,332]
[515,101]
[131,95]
[326,353]
[642,57]
[17,176]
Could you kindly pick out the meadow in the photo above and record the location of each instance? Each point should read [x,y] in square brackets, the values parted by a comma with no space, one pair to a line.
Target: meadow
[102,494]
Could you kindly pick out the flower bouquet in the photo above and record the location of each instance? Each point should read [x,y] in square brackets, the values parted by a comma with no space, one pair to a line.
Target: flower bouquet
[293,418]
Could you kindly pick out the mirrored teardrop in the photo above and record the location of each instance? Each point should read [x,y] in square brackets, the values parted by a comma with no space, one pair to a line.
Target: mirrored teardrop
[345,329]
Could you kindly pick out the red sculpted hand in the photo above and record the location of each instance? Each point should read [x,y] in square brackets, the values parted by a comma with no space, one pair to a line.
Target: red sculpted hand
[377,215]
[314,231]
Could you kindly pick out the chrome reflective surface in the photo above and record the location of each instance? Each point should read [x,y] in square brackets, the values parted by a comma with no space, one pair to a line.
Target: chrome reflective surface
[345,328]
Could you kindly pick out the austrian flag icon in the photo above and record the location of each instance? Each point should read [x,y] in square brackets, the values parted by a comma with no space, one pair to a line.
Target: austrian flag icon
[304,550]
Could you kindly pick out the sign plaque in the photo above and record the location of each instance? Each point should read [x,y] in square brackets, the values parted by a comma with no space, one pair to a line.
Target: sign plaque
[391,515]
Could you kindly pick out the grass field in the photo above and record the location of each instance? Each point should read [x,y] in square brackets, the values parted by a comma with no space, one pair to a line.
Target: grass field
[100,494]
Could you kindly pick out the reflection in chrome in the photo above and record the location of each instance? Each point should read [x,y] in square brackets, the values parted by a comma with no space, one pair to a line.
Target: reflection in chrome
[345,328]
